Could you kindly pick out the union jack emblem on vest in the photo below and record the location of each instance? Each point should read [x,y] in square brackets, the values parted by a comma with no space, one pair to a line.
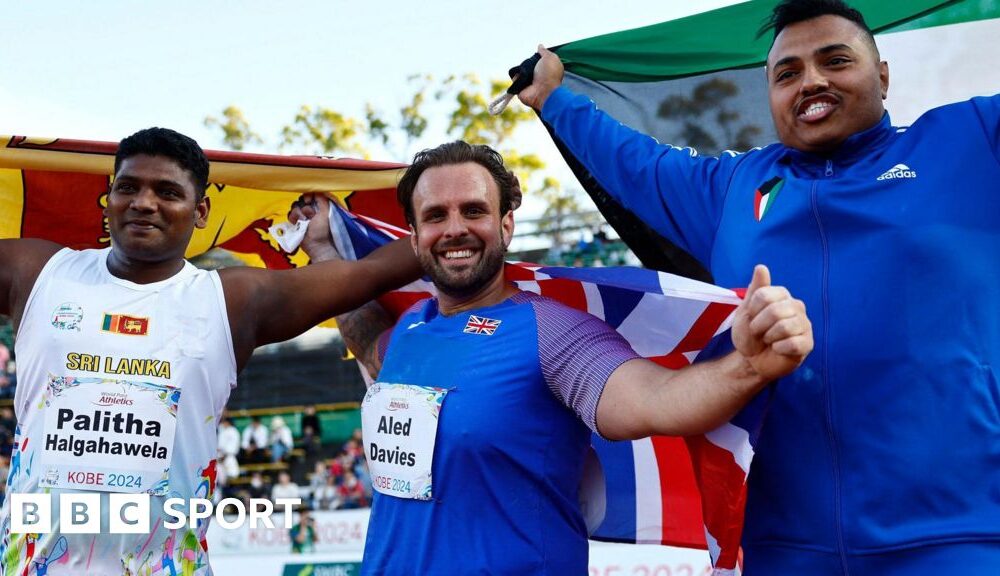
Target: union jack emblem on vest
[478,325]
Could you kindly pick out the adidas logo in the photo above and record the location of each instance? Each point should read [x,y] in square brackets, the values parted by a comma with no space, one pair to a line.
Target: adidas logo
[898,171]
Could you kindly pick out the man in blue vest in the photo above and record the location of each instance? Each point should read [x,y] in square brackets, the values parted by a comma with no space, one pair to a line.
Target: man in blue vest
[881,453]
[477,426]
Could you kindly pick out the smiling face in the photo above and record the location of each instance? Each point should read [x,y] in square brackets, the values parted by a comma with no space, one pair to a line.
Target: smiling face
[459,235]
[153,208]
[825,83]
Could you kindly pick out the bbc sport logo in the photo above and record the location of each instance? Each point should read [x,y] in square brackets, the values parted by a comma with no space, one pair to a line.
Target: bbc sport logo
[81,513]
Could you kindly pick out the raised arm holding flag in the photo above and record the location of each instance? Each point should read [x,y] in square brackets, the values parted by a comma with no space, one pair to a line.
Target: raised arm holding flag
[136,333]
[880,454]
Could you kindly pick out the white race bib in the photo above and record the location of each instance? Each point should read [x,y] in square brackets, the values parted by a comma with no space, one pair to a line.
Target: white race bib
[108,435]
[399,424]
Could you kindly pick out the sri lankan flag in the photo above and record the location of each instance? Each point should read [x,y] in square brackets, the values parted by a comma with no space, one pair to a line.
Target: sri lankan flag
[56,188]
[699,81]
[124,324]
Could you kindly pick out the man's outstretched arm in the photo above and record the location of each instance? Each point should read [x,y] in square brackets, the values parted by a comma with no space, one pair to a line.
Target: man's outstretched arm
[364,331]
[364,328]
[675,191]
[772,336]
[271,306]
[20,263]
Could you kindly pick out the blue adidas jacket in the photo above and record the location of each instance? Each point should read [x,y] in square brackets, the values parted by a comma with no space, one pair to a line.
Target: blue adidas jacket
[881,454]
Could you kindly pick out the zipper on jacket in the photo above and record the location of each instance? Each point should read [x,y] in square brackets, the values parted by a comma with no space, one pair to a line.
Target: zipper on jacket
[825,373]
[829,172]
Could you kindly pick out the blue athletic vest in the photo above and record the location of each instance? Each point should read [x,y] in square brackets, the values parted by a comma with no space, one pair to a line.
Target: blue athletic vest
[507,461]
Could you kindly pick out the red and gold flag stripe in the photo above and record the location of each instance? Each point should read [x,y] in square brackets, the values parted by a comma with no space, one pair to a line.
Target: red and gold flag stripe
[56,189]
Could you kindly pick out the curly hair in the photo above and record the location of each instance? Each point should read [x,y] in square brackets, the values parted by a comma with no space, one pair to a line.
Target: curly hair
[459,152]
[171,144]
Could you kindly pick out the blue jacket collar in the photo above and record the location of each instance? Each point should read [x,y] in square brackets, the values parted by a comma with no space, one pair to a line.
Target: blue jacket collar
[856,146]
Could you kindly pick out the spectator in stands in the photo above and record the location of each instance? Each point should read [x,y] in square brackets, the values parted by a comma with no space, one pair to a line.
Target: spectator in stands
[285,488]
[229,447]
[357,436]
[252,454]
[229,463]
[6,443]
[311,420]
[221,484]
[281,439]
[12,376]
[257,488]
[4,471]
[354,449]
[601,237]
[256,433]
[364,477]
[7,426]
[327,496]
[303,533]
[4,356]
[318,476]
[310,443]
[352,493]
[7,419]
[342,464]
[6,388]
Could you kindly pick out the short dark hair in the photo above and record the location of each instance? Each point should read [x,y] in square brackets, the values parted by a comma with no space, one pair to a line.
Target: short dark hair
[459,152]
[790,12]
[174,145]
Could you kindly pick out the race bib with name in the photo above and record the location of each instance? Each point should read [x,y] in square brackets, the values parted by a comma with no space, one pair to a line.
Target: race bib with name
[399,424]
[108,435]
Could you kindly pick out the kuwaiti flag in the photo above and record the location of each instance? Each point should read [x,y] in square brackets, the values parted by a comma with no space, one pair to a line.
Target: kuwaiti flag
[683,492]
[55,189]
[699,81]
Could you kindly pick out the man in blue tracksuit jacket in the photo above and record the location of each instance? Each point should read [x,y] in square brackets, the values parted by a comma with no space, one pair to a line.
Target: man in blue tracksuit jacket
[881,454]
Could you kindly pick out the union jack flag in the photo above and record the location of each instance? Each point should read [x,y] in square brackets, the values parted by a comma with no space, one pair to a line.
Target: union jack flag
[480,325]
[662,490]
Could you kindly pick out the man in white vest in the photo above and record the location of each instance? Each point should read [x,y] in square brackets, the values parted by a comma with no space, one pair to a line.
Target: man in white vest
[127,356]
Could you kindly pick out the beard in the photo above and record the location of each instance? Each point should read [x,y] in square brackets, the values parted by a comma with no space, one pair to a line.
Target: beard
[468,280]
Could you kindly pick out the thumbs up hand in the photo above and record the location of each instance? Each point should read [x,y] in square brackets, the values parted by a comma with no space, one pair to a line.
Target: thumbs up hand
[771,330]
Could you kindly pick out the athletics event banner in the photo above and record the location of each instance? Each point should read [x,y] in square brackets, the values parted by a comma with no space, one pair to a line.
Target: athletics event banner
[699,82]
[341,541]
[56,189]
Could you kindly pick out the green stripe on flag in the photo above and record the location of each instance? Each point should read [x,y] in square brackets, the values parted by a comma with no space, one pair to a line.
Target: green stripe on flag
[955,13]
[771,197]
[721,39]
[107,322]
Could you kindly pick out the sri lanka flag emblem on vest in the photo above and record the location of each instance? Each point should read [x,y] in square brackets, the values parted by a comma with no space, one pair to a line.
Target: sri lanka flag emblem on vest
[122,324]
[765,196]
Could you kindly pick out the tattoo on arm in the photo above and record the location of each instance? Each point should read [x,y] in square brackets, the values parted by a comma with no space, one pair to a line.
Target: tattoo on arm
[361,329]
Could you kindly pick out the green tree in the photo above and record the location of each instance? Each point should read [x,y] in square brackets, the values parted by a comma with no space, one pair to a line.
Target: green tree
[562,213]
[461,100]
[236,132]
[471,121]
[324,132]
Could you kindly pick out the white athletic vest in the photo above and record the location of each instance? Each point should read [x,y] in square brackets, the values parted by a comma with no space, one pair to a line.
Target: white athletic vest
[99,360]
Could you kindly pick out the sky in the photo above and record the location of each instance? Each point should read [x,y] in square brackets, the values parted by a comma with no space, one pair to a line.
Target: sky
[102,70]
